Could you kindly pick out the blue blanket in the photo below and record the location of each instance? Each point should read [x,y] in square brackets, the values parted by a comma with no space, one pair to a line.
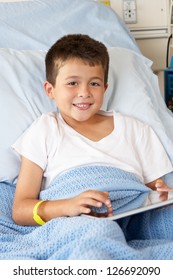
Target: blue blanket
[143,236]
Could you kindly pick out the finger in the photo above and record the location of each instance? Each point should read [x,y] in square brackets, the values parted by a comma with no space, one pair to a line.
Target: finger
[98,196]
[110,210]
[85,210]
[163,196]
[160,183]
[161,186]
[163,189]
[90,202]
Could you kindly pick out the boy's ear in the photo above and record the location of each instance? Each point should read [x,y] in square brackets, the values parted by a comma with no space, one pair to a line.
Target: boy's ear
[49,89]
[106,86]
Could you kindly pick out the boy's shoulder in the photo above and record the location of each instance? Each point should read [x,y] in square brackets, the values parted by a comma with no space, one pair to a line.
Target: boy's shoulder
[47,117]
[130,120]
[45,121]
[126,120]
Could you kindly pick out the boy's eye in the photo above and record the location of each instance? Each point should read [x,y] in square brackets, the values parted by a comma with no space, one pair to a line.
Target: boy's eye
[72,84]
[94,84]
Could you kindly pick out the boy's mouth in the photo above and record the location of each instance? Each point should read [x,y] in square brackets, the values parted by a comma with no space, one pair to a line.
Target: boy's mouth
[82,106]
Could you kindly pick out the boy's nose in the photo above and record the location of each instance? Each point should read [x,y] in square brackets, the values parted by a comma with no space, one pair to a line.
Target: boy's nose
[84,92]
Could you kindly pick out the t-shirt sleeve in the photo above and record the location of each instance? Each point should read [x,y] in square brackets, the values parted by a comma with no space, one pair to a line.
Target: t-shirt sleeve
[152,155]
[33,143]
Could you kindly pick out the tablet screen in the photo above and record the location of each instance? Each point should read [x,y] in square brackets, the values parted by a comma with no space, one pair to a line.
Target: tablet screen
[151,201]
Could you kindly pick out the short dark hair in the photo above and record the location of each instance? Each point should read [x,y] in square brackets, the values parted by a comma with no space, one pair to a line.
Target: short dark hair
[75,46]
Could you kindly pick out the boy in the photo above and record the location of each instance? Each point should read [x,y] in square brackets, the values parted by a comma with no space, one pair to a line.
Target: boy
[81,134]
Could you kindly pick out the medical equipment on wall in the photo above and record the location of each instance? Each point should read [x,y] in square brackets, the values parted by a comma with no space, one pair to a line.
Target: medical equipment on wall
[168,71]
[168,85]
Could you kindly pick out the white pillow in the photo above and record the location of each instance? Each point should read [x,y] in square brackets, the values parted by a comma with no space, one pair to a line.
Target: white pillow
[132,90]
[36,25]
[22,99]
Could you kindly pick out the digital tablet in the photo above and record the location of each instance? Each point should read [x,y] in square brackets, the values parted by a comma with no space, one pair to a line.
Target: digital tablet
[152,201]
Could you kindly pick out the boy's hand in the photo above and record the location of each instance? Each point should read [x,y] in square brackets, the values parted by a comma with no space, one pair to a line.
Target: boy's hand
[163,189]
[83,203]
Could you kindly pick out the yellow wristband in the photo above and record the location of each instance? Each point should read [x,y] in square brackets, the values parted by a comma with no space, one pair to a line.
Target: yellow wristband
[36,217]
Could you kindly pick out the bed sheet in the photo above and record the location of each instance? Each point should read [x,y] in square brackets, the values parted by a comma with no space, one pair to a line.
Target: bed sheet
[85,238]
[21,42]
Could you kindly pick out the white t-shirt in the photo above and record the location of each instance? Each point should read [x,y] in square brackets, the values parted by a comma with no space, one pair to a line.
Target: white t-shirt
[132,146]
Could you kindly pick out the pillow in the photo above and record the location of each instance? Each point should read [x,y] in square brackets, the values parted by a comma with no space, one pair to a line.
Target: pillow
[133,90]
[51,19]
[22,99]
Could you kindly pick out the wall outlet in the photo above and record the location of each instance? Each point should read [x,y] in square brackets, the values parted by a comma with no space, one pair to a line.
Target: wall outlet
[129,11]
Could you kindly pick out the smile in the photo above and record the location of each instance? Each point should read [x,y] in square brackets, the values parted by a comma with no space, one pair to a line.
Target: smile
[82,106]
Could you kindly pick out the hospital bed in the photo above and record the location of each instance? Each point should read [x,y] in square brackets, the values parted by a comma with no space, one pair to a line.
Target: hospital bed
[27,30]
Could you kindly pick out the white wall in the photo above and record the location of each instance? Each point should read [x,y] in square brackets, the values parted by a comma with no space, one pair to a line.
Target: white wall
[151,31]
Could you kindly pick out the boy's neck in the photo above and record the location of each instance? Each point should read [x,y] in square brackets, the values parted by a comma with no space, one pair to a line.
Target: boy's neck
[95,128]
[86,123]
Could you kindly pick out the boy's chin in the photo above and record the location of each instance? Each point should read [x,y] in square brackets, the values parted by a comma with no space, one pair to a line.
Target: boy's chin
[81,119]
[83,116]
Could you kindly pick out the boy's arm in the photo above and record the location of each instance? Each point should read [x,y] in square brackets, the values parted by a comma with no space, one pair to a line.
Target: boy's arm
[27,193]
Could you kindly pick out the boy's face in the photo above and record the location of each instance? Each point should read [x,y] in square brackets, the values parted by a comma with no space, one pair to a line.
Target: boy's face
[79,90]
